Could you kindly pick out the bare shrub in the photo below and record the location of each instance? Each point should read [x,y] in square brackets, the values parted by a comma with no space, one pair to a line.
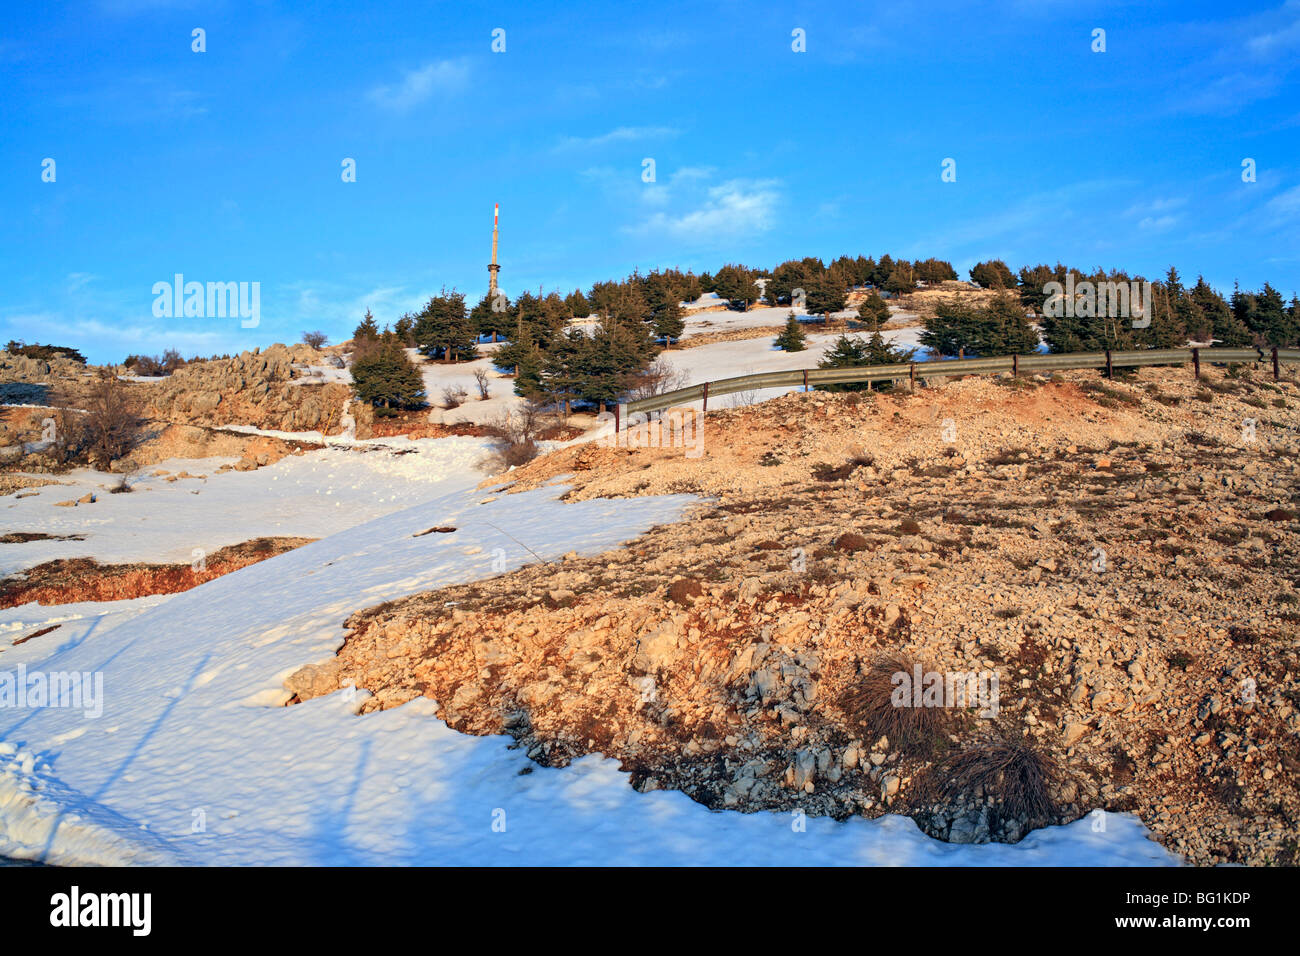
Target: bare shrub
[517,432]
[740,399]
[66,432]
[481,382]
[454,396]
[870,708]
[315,339]
[112,428]
[1015,773]
[658,377]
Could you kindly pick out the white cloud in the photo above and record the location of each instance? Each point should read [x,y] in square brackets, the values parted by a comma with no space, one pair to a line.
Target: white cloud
[416,86]
[739,207]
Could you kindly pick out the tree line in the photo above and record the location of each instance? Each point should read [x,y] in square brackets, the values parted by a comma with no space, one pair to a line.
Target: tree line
[639,316]
[1079,314]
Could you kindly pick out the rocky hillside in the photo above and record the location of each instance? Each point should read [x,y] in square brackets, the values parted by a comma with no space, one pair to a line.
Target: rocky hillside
[266,389]
[1124,557]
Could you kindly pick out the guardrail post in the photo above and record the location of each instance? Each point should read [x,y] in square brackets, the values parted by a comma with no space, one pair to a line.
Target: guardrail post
[1196,363]
[805,380]
[1015,366]
[618,408]
[911,377]
[706,398]
[1110,372]
[1276,371]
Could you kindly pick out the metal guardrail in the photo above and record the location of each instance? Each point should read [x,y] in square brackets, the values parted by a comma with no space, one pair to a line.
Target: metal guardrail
[1015,364]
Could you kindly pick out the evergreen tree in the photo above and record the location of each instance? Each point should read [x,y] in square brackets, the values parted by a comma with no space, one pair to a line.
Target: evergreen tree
[848,352]
[1032,283]
[933,271]
[383,376]
[404,329]
[1223,326]
[884,269]
[735,283]
[617,353]
[824,295]
[666,318]
[529,361]
[785,278]
[792,339]
[954,327]
[902,280]
[1004,329]
[491,317]
[443,329]
[1275,324]
[993,274]
[563,366]
[367,331]
[874,311]
[577,304]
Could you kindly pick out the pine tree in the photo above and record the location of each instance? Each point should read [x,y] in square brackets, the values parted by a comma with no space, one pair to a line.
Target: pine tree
[993,274]
[1004,329]
[561,371]
[404,329]
[384,377]
[874,311]
[848,352]
[577,304]
[1031,286]
[824,295]
[954,327]
[443,329]
[785,278]
[735,283]
[367,331]
[902,280]
[666,317]
[792,339]
[491,316]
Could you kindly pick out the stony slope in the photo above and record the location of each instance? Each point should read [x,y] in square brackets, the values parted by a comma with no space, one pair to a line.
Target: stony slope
[1123,556]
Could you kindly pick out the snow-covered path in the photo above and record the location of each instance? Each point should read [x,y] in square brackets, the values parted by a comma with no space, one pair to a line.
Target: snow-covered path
[194,761]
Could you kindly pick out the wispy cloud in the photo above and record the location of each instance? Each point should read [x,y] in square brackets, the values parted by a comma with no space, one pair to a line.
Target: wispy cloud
[623,134]
[417,86]
[736,208]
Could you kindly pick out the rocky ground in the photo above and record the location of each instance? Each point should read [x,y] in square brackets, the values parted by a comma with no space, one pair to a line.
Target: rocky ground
[1122,555]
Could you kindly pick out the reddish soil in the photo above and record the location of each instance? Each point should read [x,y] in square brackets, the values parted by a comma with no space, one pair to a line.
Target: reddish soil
[68,581]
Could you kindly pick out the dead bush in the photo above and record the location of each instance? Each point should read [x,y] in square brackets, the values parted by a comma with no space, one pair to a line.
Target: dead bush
[481,383]
[112,428]
[454,396]
[517,433]
[851,541]
[1014,772]
[870,707]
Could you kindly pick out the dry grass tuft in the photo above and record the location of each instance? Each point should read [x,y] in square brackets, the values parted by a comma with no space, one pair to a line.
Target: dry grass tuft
[869,706]
[1014,772]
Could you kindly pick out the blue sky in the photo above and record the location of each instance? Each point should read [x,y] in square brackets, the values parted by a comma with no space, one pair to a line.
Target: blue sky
[226,165]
